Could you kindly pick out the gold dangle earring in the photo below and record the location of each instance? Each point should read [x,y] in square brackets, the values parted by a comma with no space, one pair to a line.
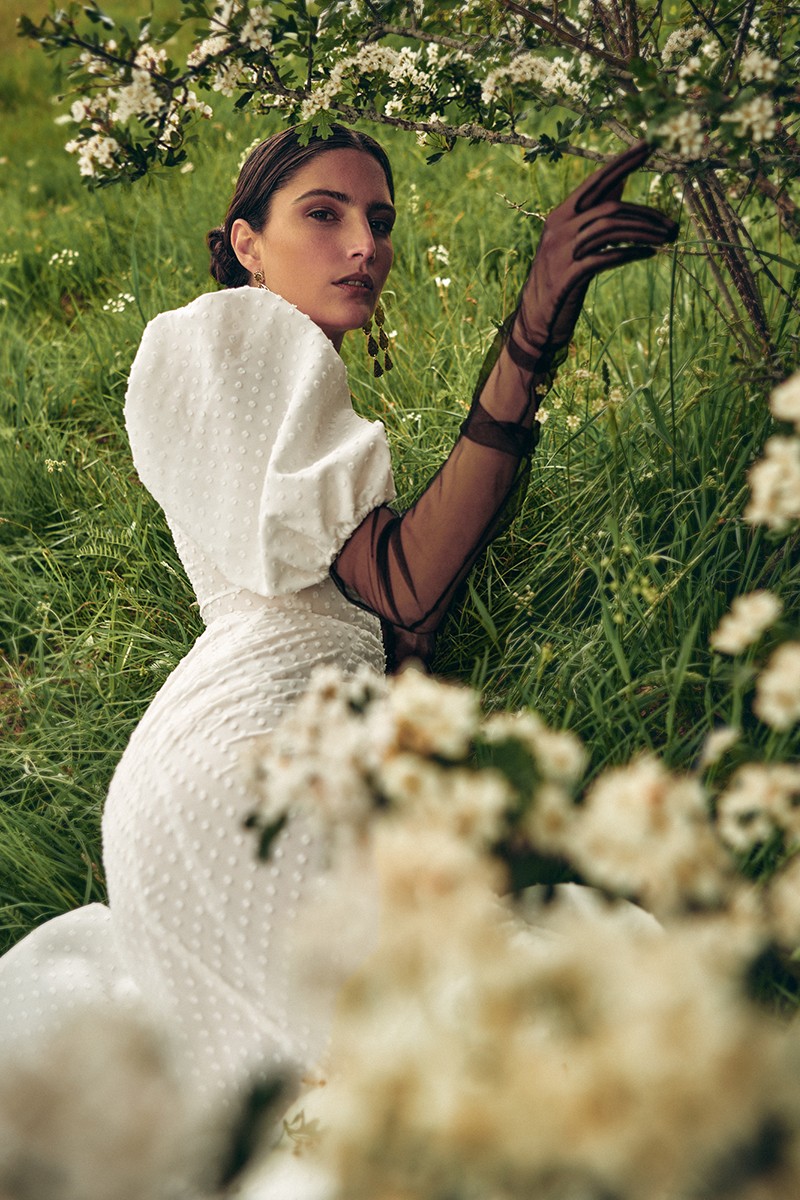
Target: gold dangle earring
[376,345]
[259,278]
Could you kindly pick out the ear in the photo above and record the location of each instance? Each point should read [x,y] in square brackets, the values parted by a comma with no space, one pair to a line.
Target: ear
[244,241]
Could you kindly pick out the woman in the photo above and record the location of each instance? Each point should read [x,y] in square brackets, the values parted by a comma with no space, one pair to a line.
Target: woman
[278,498]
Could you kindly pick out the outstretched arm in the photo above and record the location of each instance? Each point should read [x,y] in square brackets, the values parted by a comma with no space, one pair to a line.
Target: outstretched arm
[407,568]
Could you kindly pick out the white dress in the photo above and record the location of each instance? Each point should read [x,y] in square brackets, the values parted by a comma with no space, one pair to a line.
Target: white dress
[241,425]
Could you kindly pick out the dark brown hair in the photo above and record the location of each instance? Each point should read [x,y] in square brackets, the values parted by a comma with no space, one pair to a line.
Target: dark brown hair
[269,168]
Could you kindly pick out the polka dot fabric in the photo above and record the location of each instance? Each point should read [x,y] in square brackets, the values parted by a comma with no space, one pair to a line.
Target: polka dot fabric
[241,426]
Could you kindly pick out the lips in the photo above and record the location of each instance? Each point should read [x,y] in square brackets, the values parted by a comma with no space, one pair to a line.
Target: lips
[358,282]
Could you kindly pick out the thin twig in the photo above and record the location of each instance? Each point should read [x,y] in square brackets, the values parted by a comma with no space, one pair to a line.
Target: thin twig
[738,46]
[698,220]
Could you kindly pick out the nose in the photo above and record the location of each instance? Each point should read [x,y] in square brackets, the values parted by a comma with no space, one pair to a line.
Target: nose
[362,240]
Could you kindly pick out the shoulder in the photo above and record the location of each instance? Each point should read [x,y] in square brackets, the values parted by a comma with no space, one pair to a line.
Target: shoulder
[234,323]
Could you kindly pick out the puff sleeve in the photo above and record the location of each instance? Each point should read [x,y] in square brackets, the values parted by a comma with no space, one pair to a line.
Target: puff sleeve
[241,425]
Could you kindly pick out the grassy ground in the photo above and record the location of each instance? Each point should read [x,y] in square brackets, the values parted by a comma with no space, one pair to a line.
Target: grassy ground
[595,608]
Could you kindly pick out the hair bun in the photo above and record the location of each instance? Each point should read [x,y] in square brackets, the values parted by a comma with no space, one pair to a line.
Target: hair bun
[224,266]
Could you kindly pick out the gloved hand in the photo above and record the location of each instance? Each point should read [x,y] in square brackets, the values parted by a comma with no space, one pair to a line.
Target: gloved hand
[592,230]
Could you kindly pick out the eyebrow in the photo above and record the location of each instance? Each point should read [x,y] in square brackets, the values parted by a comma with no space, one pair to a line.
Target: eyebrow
[343,198]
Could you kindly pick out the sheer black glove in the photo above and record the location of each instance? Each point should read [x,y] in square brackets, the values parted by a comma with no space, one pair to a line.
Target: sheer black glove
[591,231]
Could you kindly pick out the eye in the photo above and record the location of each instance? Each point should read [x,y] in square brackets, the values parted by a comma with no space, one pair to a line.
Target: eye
[381,226]
[322,214]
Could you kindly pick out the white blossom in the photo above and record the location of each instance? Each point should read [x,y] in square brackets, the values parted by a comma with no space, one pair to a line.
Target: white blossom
[255,33]
[139,99]
[784,402]
[432,718]
[98,1111]
[95,152]
[749,616]
[209,48]
[644,832]
[760,798]
[680,41]
[692,66]
[150,58]
[684,133]
[777,701]
[756,117]
[757,65]
[717,743]
[775,484]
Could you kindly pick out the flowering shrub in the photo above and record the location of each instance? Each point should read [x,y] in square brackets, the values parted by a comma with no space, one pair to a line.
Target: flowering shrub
[715,94]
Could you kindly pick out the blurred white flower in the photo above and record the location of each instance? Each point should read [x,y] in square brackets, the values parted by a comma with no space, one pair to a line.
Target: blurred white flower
[784,402]
[775,484]
[96,1112]
[760,798]
[431,717]
[645,833]
[684,133]
[717,743]
[757,65]
[756,117]
[749,616]
[777,700]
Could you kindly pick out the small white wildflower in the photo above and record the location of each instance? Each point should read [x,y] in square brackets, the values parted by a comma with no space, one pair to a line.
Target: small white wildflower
[439,254]
[573,422]
[757,65]
[119,303]
[442,282]
[749,616]
[784,402]
[55,464]
[63,258]
[775,484]
[777,701]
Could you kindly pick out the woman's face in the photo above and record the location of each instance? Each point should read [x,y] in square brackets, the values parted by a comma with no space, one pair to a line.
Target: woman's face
[326,246]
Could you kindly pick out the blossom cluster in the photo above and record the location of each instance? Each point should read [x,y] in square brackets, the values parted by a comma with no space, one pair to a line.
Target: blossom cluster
[775,478]
[489,65]
[477,1011]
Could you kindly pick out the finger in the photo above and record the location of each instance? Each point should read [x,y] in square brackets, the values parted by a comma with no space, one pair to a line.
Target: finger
[613,209]
[615,258]
[608,182]
[633,235]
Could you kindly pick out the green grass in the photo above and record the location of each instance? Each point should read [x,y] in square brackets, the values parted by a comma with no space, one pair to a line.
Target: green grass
[595,608]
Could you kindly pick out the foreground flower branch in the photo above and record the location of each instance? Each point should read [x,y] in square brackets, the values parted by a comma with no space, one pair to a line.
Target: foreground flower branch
[715,90]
